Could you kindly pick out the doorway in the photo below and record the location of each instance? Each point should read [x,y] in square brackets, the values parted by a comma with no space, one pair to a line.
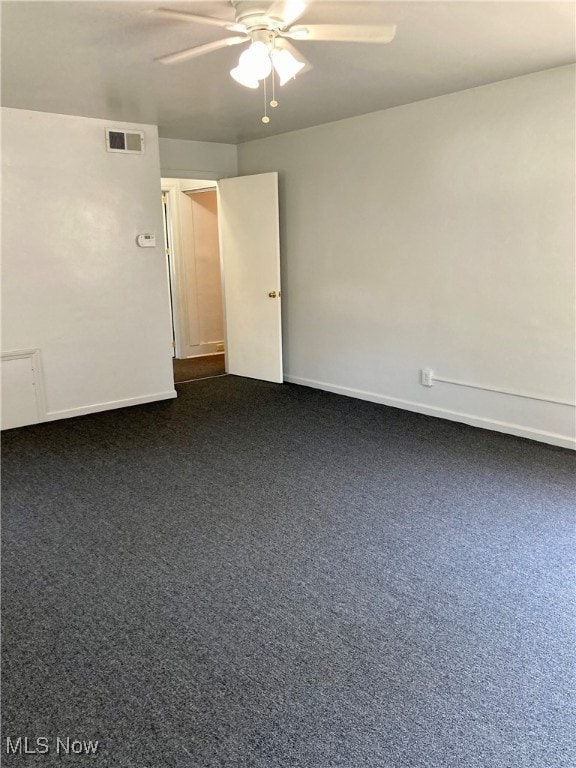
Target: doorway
[227,302]
[195,280]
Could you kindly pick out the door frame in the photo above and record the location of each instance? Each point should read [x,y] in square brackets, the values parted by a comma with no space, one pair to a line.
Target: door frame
[169,190]
[169,249]
[172,188]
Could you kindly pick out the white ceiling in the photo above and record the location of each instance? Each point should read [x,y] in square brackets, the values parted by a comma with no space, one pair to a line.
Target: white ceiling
[96,59]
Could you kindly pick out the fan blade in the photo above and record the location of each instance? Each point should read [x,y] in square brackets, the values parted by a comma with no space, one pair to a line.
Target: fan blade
[185,16]
[200,50]
[343,33]
[287,45]
[288,11]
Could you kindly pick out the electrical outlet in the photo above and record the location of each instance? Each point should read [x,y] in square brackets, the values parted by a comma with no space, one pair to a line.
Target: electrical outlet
[219,347]
[427,377]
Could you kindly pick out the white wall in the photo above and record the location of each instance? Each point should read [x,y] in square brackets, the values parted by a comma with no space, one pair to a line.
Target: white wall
[75,284]
[182,159]
[436,234]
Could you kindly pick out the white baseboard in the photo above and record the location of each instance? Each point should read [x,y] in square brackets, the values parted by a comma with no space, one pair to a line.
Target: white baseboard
[97,407]
[518,430]
[201,350]
[201,354]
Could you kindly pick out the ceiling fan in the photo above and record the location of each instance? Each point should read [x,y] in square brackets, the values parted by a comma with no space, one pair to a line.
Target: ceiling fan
[269,27]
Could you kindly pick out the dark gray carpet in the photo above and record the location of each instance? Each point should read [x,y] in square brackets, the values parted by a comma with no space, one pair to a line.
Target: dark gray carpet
[276,577]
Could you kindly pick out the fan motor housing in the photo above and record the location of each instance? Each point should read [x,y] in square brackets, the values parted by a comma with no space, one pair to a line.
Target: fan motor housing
[252,14]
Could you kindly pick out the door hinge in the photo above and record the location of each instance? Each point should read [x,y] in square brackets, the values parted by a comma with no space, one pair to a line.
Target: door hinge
[164,199]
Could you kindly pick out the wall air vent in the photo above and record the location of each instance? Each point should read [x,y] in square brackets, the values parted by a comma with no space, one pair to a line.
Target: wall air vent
[124,141]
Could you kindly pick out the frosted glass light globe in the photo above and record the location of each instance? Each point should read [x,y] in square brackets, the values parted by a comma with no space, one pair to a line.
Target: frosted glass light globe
[256,61]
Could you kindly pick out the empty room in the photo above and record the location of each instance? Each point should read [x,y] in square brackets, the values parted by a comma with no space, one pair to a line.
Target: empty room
[288,384]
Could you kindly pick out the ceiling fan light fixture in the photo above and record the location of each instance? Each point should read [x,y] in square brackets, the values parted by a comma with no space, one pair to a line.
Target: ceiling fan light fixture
[285,64]
[255,61]
[268,25]
[244,78]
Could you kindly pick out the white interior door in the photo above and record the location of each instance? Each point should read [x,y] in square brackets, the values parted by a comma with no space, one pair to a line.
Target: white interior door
[250,253]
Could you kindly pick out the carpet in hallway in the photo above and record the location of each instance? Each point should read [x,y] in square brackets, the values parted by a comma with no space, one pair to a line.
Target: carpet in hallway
[192,368]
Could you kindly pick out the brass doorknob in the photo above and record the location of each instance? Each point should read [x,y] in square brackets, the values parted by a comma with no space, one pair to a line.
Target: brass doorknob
[272,294]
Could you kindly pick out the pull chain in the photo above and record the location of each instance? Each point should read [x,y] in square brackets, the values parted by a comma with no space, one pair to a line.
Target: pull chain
[265,118]
[273,103]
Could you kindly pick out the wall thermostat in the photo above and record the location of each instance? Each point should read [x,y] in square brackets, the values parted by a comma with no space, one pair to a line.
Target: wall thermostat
[146,241]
